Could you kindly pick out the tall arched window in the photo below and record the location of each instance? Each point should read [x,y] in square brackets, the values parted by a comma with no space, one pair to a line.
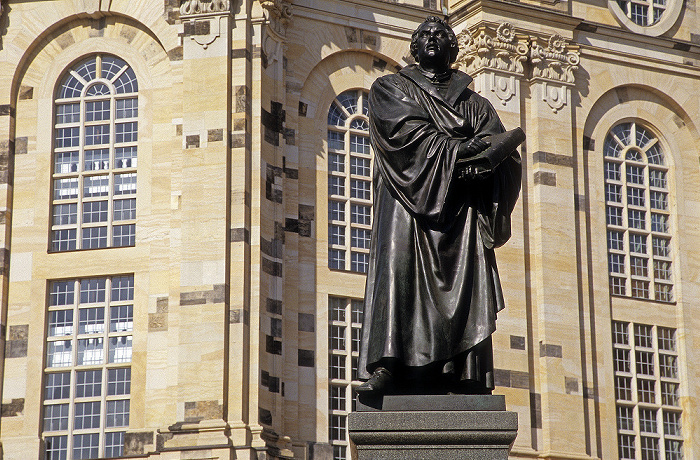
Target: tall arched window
[637,214]
[95,151]
[349,182]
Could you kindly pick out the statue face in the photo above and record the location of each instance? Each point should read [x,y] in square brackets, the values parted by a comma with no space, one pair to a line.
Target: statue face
[433,46]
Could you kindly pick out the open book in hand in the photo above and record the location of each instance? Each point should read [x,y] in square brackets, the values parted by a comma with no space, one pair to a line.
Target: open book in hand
[483,163]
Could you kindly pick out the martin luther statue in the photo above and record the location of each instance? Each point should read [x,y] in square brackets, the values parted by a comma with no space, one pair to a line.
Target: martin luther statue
[444,192]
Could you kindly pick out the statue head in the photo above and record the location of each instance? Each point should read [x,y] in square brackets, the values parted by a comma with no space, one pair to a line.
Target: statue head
[435,41]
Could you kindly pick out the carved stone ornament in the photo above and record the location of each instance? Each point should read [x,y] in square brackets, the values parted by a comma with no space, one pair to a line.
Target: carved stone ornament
[500,49]
[280,10]
[555,61]
[499,53]
[191,7]
[554,64]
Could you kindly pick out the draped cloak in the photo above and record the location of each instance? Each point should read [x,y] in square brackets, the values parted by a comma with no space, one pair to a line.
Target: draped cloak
[433,289]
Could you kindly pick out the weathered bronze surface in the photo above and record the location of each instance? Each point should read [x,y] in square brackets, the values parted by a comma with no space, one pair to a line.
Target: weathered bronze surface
[433,289]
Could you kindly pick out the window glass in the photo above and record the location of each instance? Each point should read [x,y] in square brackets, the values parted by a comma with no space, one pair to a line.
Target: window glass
[95,136]
[637,210]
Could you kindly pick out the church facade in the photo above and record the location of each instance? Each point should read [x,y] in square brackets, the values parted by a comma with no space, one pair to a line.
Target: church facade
[186,202]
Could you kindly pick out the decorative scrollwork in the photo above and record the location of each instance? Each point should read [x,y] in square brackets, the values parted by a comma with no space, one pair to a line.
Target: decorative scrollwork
[280,10]
[189,7]
[556,61]
[501,49]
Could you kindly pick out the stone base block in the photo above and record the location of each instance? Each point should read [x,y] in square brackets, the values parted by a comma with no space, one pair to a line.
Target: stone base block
[430,430]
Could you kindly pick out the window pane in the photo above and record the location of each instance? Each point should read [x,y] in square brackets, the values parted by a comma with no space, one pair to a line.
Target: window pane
[125,157]
[336,185]
[635,174]
[59,353]
[124,184]
[95,211]
[359,262]
[65,162]
[336,162]
[56,417]
[121,318]
[87,415]
[123,235]
[65,189]
[57,385]
[95,186]
[114,443]
[119,381]
[111,66]
[97,110]
[96,160]
[67,113]
[67,137]
[122,288]
[56,447]
[360,214]
[88,383]
[120,349]
[125,209]
[70,87]
[336,234]
[62,293]
[361,238]
[336,140]
[65,214]
[126,83]
[60,323]
[63,240]
[117,413]
[96,135]
[359,144]
[360,166]
[127,108]
[337,367]
[94,237]
[126,132]
[85,446]
[92,290]
[360,189]
[87,69]
[90,351]
[336,116]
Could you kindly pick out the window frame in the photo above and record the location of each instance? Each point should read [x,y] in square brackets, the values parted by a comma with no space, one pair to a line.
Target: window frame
[350,163]
[90,181]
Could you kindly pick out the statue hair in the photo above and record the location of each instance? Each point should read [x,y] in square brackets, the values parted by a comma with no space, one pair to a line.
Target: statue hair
[454,46]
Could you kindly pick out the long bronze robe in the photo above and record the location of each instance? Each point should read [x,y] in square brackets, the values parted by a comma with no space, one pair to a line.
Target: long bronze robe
[433,289]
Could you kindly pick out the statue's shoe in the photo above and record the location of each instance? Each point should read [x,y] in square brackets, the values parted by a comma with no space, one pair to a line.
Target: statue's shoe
[379,383]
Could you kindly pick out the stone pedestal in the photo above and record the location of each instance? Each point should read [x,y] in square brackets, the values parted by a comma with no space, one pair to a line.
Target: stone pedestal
[426,427]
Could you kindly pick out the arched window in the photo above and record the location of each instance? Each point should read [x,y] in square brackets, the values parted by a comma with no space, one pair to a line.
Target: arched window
[95,156]
[349,182]
[637,214]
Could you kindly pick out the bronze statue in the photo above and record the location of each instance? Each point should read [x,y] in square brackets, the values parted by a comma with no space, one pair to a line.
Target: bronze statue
[443,198]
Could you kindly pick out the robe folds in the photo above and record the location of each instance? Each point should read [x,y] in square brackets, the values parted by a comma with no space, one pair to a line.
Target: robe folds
[433,290]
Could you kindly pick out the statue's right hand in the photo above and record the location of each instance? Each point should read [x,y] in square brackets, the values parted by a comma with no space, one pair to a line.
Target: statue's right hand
[472,147]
